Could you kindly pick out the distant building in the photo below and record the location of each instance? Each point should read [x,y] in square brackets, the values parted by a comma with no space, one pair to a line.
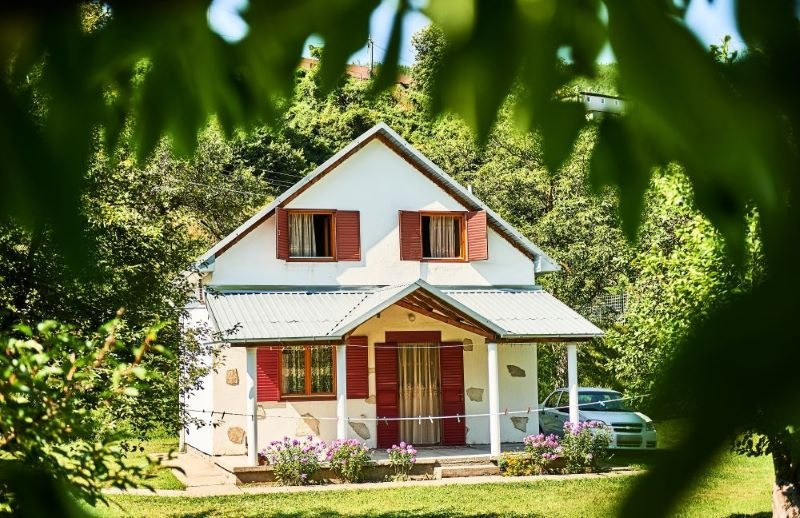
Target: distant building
[595,102]
[360,72]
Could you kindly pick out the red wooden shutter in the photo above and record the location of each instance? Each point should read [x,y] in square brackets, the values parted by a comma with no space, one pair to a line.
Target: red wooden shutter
[357,368]
[477,240]
[410,236]
[387,394]
[268,374]
[451,364]
[282,234]
[348,235]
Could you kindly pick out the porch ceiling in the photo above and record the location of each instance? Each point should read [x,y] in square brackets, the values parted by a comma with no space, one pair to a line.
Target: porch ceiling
[328,315]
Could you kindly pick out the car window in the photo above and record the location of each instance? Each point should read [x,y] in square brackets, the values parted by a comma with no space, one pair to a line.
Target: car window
[552,401]
[564,401]
[605,401]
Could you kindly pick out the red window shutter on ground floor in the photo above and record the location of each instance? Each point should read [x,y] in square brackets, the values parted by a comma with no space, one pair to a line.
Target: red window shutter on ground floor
[357,368]
[451,364]
[282,234]
[477,240]
[410,236]
[268,374]
[387,395]
[348,235]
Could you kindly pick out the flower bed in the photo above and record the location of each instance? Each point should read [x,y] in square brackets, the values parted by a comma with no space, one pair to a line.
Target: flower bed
[583,448]
[299,462]
[348,459]
[294,461]
[402,458]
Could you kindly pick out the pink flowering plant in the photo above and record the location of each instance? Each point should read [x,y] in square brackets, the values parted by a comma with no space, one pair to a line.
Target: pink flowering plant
[348,458]
[585,445]
[402,458]
[541,450]
[294,461]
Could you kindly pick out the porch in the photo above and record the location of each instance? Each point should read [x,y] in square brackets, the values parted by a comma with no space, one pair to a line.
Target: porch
[477,331]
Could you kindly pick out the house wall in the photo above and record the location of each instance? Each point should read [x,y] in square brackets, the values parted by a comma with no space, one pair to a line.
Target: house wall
[378,183]
[199,433]
[297,419]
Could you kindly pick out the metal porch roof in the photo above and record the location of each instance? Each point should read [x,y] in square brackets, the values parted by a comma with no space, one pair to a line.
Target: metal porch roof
[329,314]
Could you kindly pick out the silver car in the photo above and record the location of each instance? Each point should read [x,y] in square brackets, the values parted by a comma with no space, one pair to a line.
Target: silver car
[630,429]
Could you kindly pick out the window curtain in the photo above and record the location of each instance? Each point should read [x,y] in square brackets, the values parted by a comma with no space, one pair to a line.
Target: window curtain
[420,393]
[443,236]
[294,370]
[321,369]
[302,241]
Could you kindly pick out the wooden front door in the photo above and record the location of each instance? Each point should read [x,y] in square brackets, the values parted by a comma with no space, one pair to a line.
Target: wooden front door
[386,393]
[451,361]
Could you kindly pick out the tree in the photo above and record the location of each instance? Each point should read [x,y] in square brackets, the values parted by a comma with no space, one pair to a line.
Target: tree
[733,132]
[55,388]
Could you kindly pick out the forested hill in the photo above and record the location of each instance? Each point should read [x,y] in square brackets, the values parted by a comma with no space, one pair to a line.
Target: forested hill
[146,222]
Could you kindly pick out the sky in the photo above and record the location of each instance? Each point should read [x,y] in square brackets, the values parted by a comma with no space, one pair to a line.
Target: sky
[710,21]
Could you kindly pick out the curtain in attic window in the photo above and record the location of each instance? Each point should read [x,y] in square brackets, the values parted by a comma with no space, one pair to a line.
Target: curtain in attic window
[302,242]
[444,231]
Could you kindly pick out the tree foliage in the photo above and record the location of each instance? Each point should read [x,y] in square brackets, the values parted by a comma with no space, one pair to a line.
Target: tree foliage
[55,389]
[70,79]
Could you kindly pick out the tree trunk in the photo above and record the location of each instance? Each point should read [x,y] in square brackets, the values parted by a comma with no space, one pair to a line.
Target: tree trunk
[786,491]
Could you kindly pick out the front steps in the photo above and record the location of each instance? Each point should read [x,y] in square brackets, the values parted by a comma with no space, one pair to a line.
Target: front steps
[465,466]
[465,470]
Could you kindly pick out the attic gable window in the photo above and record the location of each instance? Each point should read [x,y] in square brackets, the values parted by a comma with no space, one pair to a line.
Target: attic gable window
[443,236]
[317,235]
[311,234]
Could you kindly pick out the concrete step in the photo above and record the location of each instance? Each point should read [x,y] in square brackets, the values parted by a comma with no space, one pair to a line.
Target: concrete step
[466,470]
[463,460]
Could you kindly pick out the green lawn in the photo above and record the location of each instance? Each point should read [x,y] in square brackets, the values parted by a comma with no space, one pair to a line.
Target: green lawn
[162,478]
[735,486]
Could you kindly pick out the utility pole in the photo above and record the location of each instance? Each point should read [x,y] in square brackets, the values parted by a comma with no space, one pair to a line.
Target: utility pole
[371,48]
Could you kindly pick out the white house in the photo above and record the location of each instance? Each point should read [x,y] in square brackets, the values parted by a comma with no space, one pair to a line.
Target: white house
[376,299]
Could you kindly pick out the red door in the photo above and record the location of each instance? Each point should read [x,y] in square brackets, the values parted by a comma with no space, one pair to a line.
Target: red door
[451,361]
[387,394]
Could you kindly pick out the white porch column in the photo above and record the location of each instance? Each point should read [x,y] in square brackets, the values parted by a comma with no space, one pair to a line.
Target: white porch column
[572,381]
[533,423]
[341,391]
[251,408]
[494,400]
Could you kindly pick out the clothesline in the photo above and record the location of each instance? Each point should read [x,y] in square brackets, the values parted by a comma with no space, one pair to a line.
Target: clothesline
[430,418]
[383,345]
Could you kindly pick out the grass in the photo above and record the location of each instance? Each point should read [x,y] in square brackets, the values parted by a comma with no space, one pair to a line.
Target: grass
[734,486]
[162,478]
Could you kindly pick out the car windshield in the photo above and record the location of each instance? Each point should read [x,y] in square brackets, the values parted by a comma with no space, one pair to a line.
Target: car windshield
[602,401]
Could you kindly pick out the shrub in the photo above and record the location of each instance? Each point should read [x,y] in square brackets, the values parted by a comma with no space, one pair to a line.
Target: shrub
[294,461]
[349,458]
[516,464]
[541,450]
[402,458]
[585,445]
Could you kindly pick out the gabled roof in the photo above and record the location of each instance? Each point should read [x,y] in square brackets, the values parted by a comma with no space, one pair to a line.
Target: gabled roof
[542,262]
[329,315]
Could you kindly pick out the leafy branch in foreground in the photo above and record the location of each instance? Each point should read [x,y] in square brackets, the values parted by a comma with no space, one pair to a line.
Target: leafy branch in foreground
[54,387]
